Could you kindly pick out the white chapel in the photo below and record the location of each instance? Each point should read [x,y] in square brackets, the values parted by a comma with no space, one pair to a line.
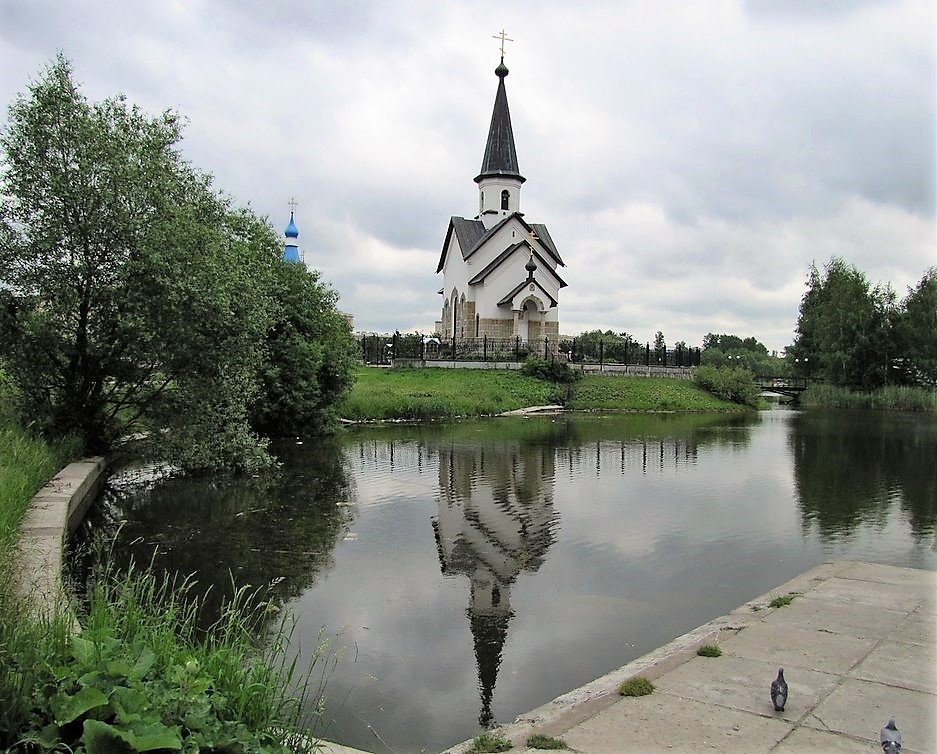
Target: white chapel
[499,271]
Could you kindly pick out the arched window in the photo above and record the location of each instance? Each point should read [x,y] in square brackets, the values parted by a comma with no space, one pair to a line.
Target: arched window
[505,196]
[481,202]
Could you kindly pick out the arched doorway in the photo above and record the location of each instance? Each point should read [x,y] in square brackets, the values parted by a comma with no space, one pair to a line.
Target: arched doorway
[530,312]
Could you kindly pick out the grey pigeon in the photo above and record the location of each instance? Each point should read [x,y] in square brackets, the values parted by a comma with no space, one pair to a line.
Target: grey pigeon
[779,691]
[891,738]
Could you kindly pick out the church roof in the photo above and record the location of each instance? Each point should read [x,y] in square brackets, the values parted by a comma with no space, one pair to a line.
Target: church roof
[500,154]
[544,235]
[467,232]
[471,235]
[504,256]
[524,283]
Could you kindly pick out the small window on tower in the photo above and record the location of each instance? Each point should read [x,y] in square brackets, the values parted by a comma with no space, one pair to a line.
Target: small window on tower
[505,196]
[481,202]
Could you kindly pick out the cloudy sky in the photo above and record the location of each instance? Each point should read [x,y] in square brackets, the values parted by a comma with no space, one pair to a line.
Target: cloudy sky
[691,159]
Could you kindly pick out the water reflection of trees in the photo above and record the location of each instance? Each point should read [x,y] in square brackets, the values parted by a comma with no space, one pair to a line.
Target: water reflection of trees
[851,467]
[277,529]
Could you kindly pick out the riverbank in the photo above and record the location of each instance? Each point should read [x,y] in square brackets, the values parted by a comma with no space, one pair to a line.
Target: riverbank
[138,639]
[432,393]
[857,643]
[892,398]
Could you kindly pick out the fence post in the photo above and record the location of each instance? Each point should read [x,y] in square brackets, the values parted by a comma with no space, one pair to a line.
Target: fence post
[601,353]
[546,349]
[453,346]
[485,348]
[517,347]
[572,353]
[422,348]
[647,354]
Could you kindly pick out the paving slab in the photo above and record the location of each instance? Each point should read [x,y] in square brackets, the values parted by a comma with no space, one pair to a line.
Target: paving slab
[918,628]
[839,618]
[743,683]
[790,647]
[861,708]
[635,725]
[802,740]
[899,664]
[905,597]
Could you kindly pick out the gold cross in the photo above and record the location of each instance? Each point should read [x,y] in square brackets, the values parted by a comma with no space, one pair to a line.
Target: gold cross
[533,237]
[292,204]
[504,38]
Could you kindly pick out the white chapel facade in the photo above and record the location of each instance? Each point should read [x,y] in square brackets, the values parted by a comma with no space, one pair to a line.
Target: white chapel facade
[500,276]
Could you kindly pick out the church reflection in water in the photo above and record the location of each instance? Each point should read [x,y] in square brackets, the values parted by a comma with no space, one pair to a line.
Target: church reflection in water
[496,520]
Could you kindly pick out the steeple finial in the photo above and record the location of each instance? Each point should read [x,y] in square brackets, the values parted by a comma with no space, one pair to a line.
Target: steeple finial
[504,38]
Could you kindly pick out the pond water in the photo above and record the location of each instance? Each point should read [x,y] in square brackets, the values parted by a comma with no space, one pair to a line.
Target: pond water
[473,571]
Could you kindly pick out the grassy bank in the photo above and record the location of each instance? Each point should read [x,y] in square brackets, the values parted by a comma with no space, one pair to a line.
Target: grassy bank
[434,393]
[139,677]
[891,398]
[599,393]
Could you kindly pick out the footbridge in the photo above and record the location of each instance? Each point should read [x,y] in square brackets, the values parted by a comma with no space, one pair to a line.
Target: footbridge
[790,387]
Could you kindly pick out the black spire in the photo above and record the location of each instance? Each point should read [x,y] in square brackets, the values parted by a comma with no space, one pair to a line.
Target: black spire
[500,155]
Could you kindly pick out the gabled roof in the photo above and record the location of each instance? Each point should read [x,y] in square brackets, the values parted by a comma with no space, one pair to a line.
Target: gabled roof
[504,256]
[544,235]
[471,235]
[527,281]
[467,233]
[500,156]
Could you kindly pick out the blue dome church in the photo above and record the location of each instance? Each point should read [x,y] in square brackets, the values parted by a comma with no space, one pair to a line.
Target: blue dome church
[291,245]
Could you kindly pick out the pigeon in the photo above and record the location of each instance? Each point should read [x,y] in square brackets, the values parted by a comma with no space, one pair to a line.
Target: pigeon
[891,738]
[779,691]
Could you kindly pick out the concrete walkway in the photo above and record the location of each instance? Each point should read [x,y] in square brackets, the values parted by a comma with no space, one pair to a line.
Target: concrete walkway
[857,646]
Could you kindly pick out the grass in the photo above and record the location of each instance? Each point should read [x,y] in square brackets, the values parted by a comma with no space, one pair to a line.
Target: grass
[538,741]
[891,398]
[709,650]
[436,393]
[488,742]
[597,392]
[637,686]
[783,600]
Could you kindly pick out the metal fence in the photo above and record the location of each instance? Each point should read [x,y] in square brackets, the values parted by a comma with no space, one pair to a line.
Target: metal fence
[387,349]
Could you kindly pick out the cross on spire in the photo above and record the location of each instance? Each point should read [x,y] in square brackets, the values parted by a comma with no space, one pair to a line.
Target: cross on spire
[292,204]
[504,38]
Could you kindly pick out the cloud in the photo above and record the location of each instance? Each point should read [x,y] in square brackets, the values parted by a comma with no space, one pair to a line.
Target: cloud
[690,161]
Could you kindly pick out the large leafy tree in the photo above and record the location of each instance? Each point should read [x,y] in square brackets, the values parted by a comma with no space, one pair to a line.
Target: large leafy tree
[310,354]
[916,331]
[844,329]
[134,296]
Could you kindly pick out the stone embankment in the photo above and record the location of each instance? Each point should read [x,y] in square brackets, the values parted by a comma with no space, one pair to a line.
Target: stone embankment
[54,512]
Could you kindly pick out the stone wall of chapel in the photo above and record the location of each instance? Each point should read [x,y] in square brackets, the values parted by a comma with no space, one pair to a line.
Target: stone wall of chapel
[495,328]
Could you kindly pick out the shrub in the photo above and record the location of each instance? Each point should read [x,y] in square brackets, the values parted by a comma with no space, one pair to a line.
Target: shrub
[637,686]
[552,371]
[735,384]
[709,650]
[538,741]
[488,742]
[782,601]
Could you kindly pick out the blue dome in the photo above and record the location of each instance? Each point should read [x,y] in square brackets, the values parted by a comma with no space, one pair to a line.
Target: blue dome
[291,230]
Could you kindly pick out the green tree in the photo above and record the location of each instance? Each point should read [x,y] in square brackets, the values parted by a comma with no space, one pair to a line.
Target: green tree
[844,329]
[660,347]
[310,355]
[135,297]
[916,331]
[731,350]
